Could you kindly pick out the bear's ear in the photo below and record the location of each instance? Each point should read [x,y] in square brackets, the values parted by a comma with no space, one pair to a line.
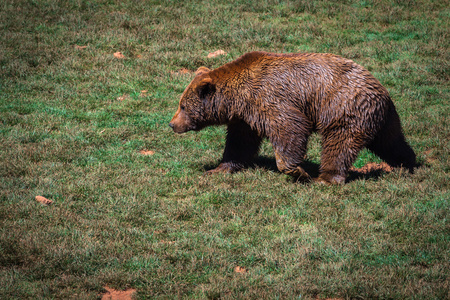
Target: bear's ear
[205,88]
[202,70]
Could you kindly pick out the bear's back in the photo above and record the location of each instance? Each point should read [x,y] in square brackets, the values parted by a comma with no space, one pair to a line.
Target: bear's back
[311,74]
[313,69]
[325,87]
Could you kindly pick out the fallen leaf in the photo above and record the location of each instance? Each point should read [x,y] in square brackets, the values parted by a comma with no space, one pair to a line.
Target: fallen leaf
[119,55]
[143,93]
[240,270]
[80,47]
[147,152]
[118,13]
[123,97]
[43,200]
[429,157]
[373,167]
[182,71]
[216,53]
[112,294]
[167,242]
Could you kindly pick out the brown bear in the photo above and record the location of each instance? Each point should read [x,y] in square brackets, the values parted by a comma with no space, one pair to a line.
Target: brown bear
[286,97]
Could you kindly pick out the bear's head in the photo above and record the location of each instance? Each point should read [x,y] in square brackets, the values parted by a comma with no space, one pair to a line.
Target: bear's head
[194,109]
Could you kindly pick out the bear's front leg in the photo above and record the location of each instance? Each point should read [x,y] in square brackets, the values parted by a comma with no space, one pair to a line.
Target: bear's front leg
[241,146]
[289,144]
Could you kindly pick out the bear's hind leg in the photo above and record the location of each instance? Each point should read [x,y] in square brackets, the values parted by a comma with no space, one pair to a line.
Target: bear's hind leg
[241,146]
[390,144]
[339,151]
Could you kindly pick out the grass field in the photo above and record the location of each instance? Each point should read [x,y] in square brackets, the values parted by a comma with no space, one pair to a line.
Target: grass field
[74,120]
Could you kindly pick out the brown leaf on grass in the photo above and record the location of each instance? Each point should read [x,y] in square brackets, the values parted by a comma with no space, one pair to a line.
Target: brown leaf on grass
[43,200]
[216,53]
[112,294]
[167,242]
[143,93]
[147,152]
[240,270]
[429,157]
[123,97]
[373,167]
[119,55]
[182,71]
[80,47]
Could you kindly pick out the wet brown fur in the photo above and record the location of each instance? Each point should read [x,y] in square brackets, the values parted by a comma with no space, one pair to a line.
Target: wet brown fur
[285,97]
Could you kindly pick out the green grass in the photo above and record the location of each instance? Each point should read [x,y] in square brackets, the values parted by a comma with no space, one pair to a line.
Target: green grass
[72,123]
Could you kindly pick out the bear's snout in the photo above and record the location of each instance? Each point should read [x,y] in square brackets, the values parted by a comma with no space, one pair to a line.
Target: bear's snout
[180,123]
[177,128]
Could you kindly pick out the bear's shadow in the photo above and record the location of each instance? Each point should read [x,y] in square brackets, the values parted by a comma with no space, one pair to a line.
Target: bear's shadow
[312,168]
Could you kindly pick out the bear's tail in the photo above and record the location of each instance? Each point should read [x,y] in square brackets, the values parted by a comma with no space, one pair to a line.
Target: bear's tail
[390,144]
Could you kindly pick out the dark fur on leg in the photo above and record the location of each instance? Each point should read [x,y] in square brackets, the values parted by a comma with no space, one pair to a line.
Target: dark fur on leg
[390,144]
[338,154]
[241,147]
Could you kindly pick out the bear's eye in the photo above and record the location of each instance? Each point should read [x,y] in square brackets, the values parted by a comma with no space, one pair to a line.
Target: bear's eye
[182,107]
